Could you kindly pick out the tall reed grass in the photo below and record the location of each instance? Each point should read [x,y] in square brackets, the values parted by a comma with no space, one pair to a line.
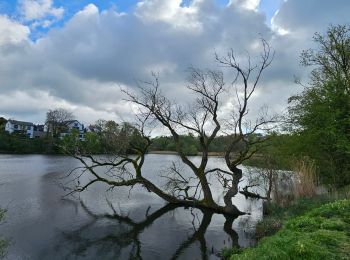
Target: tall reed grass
[305,182]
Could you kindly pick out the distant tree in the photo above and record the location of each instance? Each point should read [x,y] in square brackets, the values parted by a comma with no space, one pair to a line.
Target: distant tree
[321,113]
[3,122]
[57,120]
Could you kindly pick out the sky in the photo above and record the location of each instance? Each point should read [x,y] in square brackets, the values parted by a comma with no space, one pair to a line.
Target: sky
[78,54]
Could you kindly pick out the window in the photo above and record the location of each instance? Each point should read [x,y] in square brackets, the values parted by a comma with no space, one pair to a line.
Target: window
[15,126]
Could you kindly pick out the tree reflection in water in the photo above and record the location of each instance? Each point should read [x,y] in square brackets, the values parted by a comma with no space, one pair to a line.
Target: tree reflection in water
[111,235]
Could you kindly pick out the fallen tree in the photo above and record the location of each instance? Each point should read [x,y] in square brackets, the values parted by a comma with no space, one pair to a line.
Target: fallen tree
[200,119]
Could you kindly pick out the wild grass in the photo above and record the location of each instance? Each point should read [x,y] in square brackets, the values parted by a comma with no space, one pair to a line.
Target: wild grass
[305,178]
[3,243]
[321,233]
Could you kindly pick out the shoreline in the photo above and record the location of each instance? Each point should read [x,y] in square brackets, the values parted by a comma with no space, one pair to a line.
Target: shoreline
[175,153]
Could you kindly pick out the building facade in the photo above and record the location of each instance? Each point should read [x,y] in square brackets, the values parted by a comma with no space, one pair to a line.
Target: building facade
[74,124]
[14,126]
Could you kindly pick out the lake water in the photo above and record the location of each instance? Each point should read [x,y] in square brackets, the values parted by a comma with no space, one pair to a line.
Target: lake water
[41,224]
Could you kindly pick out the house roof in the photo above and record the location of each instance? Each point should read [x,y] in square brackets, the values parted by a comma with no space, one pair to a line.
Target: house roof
[71,121]
[15,122]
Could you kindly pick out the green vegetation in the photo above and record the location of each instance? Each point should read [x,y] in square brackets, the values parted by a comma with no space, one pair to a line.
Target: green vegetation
[321,233]
[3,243]
[275,215]
[111,138]
[318,120]
[320,115]
[20,143]
[190,144]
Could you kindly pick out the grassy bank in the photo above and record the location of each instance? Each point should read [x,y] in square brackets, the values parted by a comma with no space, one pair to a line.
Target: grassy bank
[3,243]
[320,233]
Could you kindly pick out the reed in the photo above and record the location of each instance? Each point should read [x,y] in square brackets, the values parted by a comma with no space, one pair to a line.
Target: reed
[305,178]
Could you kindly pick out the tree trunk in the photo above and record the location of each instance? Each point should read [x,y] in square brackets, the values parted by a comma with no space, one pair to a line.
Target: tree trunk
[229,207]
[208,196]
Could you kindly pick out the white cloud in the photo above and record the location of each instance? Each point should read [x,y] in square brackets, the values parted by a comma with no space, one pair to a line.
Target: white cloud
[12,32]
[40,12]
[170,12]
[248,4]
[88,10]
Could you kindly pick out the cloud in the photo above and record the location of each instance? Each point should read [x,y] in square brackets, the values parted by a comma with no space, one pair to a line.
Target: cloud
[12,32]
[40,12]
[248,4]
[170,12]
[83,64]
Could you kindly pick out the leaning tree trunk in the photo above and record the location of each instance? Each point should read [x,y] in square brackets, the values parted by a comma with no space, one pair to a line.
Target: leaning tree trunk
[233,190]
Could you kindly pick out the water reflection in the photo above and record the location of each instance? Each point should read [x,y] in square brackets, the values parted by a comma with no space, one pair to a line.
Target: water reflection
[117,236]
[41,225]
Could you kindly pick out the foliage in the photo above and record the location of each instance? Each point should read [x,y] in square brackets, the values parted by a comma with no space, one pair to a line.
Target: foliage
[320,115]
[190,143]
[166,143]
[20,143]
[275,214]
[57,120]
[322,233]
[268,227]
[109,138]
[226,252]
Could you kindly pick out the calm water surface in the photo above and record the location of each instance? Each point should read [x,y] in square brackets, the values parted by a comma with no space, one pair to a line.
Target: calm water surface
[41,224]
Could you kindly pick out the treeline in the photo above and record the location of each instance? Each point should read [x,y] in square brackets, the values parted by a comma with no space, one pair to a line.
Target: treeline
[189,143]
[20,143]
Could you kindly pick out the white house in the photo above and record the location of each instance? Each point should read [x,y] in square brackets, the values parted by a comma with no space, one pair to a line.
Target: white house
[20,126]
[74,124]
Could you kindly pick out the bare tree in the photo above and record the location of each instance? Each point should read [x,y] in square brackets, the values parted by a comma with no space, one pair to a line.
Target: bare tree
[57,120]
[201,119]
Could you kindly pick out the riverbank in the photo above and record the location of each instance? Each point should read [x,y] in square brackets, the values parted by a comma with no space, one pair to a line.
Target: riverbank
[322,232]
[176,153]
[3,243]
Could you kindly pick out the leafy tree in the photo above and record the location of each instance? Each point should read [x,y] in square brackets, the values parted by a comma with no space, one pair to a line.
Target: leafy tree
[321,113]
[3,122]
[56,121]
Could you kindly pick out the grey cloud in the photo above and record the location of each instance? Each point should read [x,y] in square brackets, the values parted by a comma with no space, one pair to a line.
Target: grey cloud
[312,15]
[85,61]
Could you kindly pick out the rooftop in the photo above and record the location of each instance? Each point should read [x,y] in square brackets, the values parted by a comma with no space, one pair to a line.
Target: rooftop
[15,122]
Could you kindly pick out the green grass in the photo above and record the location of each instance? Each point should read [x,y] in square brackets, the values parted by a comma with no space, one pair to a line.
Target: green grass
[321,233]
[3,243]
[275,215]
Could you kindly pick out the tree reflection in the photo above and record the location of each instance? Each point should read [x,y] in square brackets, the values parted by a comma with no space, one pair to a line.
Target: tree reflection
[111,235]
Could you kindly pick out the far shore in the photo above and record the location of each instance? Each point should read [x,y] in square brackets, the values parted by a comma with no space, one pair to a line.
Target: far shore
[175,153]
